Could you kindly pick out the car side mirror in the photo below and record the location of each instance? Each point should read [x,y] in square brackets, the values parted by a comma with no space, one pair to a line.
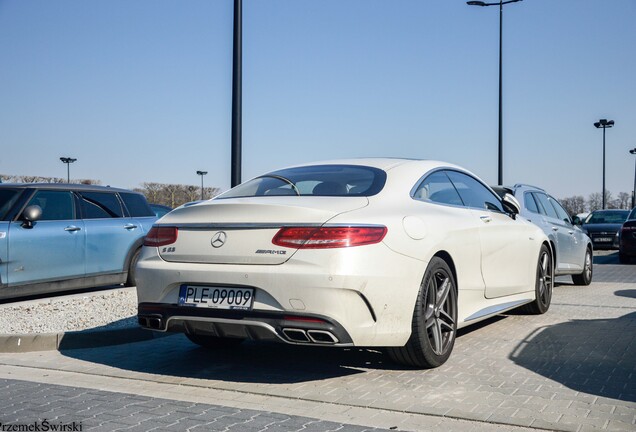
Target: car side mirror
[577,221]
[30,215]
[511,205]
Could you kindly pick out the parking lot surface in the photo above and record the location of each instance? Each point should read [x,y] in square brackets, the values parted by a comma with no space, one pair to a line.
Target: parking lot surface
[572,369]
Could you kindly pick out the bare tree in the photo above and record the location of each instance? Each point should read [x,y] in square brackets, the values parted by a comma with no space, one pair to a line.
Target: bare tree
[40,179]
[574,204]
[152,191]
[594,201]
[624,200]
[174,195]
[193,193]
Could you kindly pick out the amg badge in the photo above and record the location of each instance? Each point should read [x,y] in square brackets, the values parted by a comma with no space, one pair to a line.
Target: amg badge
[271,252]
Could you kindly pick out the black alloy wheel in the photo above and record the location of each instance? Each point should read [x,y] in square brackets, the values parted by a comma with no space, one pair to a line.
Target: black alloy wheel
[434,324]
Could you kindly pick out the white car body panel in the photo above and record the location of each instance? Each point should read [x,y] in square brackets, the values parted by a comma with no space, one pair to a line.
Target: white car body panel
[503,242]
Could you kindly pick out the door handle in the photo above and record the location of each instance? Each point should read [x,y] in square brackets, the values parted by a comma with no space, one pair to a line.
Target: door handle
[571,232]
[485,219]
[72,228]
[130,226]
[555,228]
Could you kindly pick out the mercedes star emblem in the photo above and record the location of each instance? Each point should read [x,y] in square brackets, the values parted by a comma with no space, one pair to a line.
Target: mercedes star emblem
[218,239]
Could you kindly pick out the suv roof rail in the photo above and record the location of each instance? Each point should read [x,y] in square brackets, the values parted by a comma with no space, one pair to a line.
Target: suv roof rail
[518,185]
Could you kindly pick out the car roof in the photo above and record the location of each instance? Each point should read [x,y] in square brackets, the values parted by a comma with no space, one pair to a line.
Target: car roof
[383,163]
[63,186]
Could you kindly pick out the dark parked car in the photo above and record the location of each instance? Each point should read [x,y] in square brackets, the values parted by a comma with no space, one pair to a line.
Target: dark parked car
[627,239]
[603,225]
[57,237]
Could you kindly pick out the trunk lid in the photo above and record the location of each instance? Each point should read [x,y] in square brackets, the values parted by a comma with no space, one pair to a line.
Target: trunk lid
[240,230]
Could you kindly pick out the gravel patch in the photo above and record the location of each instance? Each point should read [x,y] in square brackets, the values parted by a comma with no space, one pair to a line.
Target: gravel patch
[97,310]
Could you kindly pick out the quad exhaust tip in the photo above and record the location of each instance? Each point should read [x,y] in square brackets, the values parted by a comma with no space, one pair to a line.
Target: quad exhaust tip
[310,336]
[150,322]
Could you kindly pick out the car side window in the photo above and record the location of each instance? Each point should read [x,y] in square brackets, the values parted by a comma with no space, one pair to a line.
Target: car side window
[474,193]
[563,215]
[100,205]
[530,203]
[545,204]
[136,205]
[55,205]
[438,188]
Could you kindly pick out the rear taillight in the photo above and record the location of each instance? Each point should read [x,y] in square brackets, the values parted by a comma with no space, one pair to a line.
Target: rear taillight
[161,236]
[328,237]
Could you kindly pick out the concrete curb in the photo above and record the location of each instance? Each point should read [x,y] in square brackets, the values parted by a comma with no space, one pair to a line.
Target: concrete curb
[75,339]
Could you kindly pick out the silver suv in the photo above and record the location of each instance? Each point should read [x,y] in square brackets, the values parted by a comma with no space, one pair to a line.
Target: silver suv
[572,247]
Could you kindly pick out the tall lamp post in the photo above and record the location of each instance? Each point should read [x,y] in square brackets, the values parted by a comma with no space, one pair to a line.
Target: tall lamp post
[237,92]
[633,151]
[68,161]
[202,173]
[500,153]
[604,124]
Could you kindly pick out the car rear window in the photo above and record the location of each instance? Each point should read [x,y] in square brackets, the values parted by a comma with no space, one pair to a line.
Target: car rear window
[136,204]
[314,180]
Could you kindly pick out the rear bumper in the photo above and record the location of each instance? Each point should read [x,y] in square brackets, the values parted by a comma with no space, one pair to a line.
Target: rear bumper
[292,328]
[357,299]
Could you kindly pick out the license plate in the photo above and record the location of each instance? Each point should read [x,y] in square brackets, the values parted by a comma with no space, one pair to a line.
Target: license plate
[603,239]
[216,297]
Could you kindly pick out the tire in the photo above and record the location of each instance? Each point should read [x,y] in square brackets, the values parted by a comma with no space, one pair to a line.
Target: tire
[214,342]
[434,324]
[585,278]
[623,258]
[544,284]
[132,269]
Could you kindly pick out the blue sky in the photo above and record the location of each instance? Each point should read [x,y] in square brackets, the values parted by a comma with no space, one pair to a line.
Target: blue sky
[140,91]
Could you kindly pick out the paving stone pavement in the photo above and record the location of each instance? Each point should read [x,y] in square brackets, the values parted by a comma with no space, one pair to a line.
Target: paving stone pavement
[27,403]
[572,369]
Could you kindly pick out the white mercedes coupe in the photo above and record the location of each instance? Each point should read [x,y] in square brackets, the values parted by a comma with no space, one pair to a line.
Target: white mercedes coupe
[390,253]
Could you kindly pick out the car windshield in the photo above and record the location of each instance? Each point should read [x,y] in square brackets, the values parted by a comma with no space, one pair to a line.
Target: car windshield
[314,180]
[607,217]
[7,198]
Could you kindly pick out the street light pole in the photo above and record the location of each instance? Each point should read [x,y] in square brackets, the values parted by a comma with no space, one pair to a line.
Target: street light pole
[633,151]
[237,77]
[604,124]
[500,133]
[68,161]
[202,173]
